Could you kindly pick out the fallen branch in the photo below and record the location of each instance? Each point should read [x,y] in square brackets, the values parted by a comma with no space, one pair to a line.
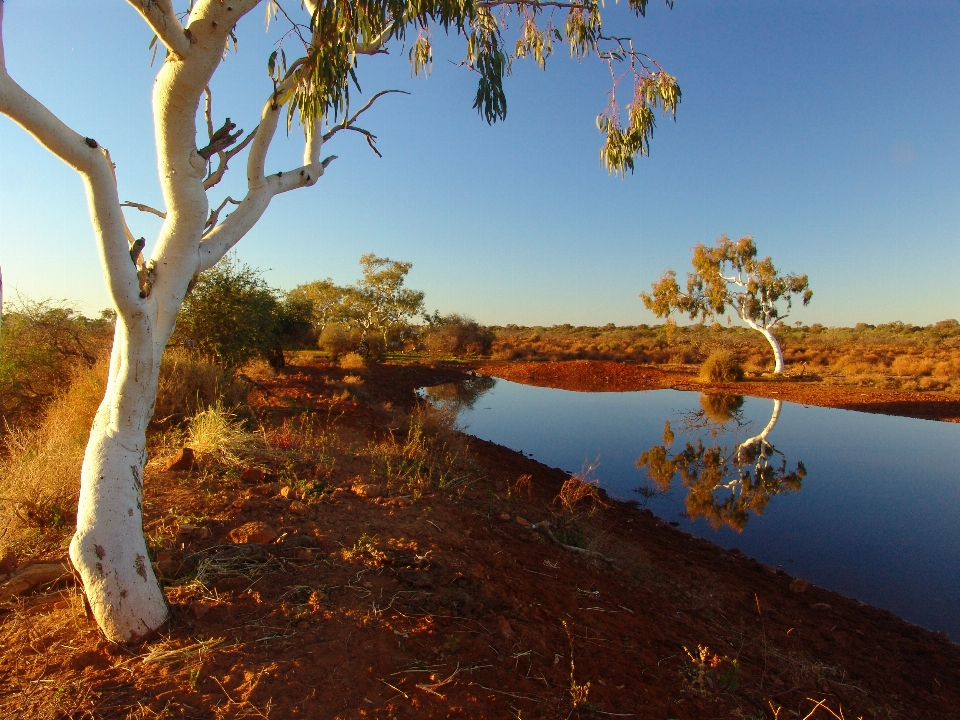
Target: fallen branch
[544,528]
[33,576]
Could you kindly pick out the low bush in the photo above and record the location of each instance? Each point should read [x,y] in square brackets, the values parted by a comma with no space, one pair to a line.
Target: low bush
[721,366]
[338,340]
[457,336]
[41,345]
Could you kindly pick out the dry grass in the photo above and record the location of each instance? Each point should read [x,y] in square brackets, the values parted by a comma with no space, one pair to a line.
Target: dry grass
[40,471]
[428,456]
[189,383]
[721,366]
[578,489]
[353,361]
[892,356]
[217,434]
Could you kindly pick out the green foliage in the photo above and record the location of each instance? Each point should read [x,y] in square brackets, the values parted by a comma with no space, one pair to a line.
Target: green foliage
[456,335]
[367,317]
[729,274]
[41,344]
[721,366]
[724,485]
[318,84]
[233,316]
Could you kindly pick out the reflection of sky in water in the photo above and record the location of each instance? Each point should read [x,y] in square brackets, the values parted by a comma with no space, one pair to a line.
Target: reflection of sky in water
[877,518]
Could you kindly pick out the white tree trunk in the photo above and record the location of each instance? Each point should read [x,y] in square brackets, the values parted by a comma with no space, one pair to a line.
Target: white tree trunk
[771,338]
[108,549]
[777,351]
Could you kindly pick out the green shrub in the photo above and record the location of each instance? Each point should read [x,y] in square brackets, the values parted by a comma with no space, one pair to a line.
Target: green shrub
[337,340]
[721,366]
[41,346]
[233,316]
[457,335]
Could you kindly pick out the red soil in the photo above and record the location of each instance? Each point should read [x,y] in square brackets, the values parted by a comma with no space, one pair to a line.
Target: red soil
[605,376]
[445,610]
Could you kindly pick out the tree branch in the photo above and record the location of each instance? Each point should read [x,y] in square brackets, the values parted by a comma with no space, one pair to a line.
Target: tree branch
[144,208]
[87,157]
[215,214]
[162,19]
[224,158]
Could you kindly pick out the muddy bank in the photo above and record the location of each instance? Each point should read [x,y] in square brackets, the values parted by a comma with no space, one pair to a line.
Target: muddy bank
[605,376]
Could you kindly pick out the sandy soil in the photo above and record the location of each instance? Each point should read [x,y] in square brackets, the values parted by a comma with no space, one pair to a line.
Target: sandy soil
[604,376]
[451,605]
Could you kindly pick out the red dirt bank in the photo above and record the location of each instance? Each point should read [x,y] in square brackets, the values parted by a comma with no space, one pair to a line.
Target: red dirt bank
[605,376]
[384,607]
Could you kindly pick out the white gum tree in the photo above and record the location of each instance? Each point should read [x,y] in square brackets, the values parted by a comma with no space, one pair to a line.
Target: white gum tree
[730,274]
[147,290]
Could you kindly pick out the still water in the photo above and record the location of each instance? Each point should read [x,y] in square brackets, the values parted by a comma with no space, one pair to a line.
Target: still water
[866,505]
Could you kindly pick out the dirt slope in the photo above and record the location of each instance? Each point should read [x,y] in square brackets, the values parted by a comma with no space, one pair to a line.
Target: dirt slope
[357,604]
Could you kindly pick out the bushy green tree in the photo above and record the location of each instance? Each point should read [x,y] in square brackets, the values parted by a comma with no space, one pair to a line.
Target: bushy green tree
[456,335]
[730,274]
[368,316]
[326,300]
[232,315]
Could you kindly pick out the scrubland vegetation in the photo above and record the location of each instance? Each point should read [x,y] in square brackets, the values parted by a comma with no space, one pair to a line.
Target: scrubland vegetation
[890,356]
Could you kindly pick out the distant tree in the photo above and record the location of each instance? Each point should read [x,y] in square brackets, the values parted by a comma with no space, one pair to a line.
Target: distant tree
[326,301]
[456,335]
[730,274]
[379,303]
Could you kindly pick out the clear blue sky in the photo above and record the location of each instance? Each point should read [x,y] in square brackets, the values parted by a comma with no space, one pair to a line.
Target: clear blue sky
[828,130]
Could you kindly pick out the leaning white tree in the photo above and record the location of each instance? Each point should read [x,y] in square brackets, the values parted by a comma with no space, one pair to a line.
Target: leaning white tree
[147,290]
[730,274]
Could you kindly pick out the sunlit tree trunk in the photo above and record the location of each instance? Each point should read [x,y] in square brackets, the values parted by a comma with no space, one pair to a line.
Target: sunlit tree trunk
[109,550]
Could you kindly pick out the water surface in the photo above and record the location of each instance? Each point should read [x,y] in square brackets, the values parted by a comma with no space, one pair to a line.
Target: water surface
[867,505]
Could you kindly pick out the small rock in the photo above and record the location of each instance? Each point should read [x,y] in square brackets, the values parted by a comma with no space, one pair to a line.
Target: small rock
[183,461]
[504,517]
[266,489]
[287,492]
[522,521]
[942,635]
[201,607]
[8,564]
[368,491]
[253,532]
[506,629]
[821,606]
[297,507]
[303,625]
[799,585]
[253,475]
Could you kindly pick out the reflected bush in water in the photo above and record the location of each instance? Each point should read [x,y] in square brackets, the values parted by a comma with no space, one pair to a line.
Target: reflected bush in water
[461,395]
[722,408]
[724,484]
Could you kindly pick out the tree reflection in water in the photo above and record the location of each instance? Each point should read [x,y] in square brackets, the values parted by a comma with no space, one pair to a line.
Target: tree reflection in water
[724,483]
[457,396]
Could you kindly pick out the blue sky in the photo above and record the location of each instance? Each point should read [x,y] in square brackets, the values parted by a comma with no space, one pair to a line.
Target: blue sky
[827,130]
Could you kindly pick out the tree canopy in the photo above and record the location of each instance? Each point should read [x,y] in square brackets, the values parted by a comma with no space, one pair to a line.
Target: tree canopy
[729,273]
